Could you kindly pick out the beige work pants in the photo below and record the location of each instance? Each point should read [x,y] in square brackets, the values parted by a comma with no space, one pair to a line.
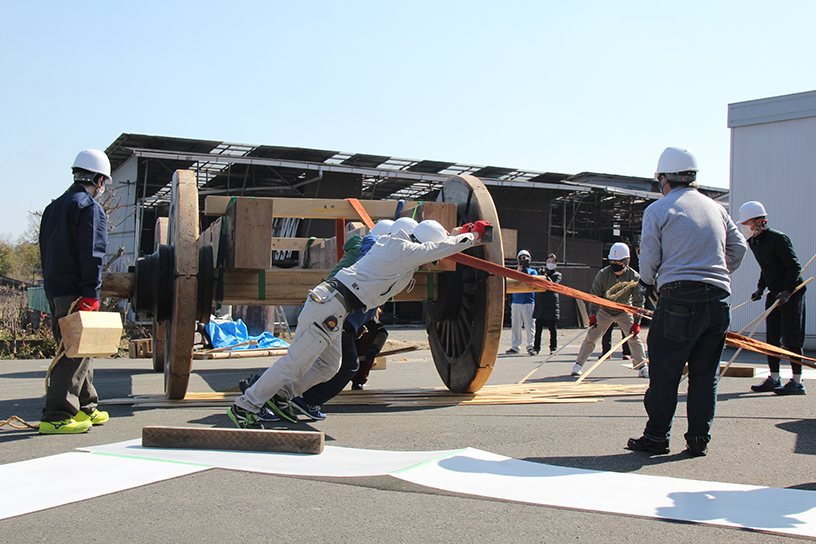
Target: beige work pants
[604,321]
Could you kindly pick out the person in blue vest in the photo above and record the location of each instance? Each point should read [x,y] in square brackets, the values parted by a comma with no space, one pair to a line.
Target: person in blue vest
[73,241]
[521,310]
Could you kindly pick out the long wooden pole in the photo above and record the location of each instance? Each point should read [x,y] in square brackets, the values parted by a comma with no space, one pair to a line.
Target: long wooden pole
[570,341]
[603,358]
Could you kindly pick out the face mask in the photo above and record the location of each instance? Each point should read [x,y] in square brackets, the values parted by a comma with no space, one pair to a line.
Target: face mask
[550,266]
[617,267]
[746,230]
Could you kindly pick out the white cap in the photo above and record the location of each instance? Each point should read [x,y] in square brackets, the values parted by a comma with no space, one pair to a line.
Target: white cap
[405,224]
[94,161]
[618,251]
[751,210]
[524,252]
[430,231]
[382,227]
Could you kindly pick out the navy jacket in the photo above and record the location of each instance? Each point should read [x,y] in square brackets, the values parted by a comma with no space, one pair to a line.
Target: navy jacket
[73,242]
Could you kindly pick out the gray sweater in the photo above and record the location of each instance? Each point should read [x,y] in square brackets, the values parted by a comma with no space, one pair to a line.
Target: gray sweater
[688,236]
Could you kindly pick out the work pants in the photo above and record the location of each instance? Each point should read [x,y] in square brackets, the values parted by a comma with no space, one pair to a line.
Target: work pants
[603,322]
[689,326]
[317,395]
[521,319]
[71,384]
[785,327]
[313,356]
[550,324]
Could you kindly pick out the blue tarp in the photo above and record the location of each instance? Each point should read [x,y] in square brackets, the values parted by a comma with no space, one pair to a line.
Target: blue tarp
[230,333]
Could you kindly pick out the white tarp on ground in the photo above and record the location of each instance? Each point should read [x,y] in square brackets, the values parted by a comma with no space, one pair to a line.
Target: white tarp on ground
[468,471]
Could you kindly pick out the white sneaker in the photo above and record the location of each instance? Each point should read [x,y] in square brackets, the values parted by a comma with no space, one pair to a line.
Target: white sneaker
[644,371]
[576,370]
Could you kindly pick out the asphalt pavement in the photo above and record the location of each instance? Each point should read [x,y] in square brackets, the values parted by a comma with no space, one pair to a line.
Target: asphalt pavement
[758,439]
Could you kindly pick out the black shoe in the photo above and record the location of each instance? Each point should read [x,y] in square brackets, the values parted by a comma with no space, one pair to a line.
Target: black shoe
[248,382]
[644,443]
[697,446]
[282,408]
[356,387]
[243,419]
[791,388]
[768,385]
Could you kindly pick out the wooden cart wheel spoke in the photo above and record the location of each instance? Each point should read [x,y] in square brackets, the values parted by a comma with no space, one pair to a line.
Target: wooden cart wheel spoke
[464,324]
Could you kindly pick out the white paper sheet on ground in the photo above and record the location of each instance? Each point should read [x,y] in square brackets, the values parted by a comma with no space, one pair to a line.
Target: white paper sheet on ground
[476,472]
[333,462]
[37,484]
[785,372]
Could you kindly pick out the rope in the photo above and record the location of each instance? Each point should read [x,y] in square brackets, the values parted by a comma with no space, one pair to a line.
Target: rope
[620,290]
[25,424]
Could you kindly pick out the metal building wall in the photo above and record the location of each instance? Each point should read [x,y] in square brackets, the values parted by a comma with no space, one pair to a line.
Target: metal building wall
[124,233]
[775,163]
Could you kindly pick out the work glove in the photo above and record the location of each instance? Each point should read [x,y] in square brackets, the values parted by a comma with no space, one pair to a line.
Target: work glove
[635,329]
[783,297]
[646,289]
[86,304]
[478,227]
[592,321]
[757,295]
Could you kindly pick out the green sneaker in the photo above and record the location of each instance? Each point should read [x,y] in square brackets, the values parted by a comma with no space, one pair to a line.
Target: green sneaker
[66,426]
[282,408]
[96,418]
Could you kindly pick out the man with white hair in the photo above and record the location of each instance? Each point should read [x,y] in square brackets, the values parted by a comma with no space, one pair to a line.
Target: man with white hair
[315,353]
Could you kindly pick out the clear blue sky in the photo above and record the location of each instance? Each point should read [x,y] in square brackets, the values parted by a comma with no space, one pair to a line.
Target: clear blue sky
[538,85]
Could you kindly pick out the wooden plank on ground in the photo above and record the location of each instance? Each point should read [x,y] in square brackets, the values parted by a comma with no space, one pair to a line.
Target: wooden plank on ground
[233,439]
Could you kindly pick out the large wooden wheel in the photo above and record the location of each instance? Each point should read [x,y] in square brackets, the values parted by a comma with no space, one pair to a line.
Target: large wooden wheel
[179,334]
[464,325]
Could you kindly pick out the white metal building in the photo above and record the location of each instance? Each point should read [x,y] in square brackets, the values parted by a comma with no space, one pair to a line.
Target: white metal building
[773,160]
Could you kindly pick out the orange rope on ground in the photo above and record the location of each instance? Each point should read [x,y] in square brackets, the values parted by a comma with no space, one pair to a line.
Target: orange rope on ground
[732,339]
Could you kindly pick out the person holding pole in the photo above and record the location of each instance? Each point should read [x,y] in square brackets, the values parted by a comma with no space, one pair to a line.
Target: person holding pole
[689,246]
[781,273]
[600,319]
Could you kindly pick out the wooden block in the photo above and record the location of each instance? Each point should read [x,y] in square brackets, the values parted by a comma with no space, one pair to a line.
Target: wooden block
[233,439]
[740,371]
[510,243]
[248,234]
[379,363]
[91,334]
[161,233]
[141,348]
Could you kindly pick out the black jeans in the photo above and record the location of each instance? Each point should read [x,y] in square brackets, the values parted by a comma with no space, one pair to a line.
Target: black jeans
[71,388]
[606,341]
[785,327]
[552,325]
[689,326]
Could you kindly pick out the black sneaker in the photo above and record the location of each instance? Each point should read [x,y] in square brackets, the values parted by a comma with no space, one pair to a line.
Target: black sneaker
[644,443]
[267,416]
[308,410]
[768,385]
[248,382]
[697,446]
[356,387]
[791,388]
[243,419]
[282,408]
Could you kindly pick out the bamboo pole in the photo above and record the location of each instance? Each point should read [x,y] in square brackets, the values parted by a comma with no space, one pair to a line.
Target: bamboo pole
[571,340]
[603,358]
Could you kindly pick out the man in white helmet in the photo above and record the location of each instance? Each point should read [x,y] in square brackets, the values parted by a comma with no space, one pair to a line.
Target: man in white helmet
[689,246]
[73,241]
[315,352]
[521,310]
[781,273]
[605,285]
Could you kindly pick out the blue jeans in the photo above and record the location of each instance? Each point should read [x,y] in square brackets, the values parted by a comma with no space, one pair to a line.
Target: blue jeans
[689,326]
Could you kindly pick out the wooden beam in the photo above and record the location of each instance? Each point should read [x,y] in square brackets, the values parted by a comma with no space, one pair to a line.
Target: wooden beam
[233,439]
[314,208]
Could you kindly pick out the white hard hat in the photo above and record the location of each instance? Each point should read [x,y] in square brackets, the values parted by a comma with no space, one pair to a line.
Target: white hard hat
[524,252]
[430,231]
[677,159]
[382,227]
[618,251]
[403,223]
[751,210]
[94,161]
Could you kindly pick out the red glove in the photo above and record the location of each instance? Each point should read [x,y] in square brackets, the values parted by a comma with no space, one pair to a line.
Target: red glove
[635,328]
[478,227]
[592,321]
[86,304]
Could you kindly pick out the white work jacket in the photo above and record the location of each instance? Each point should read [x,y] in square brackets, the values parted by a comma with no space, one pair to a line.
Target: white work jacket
[390,264]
